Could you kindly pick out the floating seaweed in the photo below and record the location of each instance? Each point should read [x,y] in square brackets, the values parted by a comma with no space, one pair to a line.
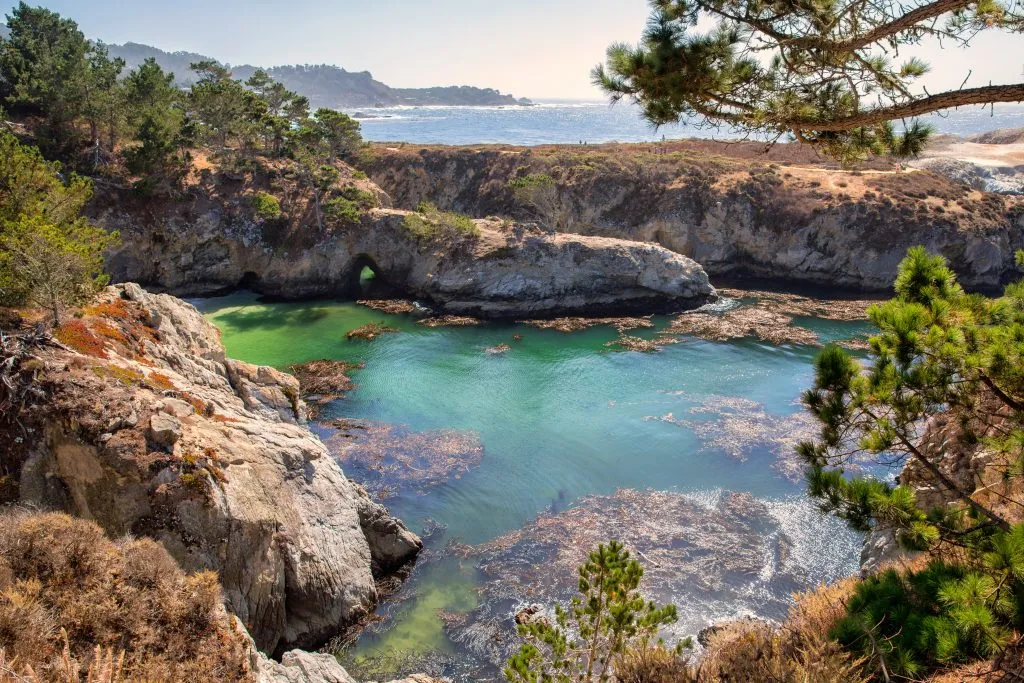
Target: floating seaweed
[739,426]
[627,343]
[323,381]
[498,350]
[796,305]
[714,556]
[738,323]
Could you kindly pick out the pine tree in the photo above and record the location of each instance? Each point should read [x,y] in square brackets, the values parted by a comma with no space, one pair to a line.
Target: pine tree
[605,621]
[824,72]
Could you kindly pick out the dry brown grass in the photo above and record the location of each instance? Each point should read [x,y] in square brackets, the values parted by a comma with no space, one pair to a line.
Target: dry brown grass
[74,604]
[759,652]
[797,651]
[653,665]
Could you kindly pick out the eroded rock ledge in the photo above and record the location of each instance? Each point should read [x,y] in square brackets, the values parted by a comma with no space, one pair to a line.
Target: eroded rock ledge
[504,271]
[148,429]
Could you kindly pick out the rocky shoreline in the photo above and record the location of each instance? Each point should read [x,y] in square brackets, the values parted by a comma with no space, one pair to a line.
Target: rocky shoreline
[143,425]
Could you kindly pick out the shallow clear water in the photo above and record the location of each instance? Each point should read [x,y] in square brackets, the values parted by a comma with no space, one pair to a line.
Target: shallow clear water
[593,122]
[560,416]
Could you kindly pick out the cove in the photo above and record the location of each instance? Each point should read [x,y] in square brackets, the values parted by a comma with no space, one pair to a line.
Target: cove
[561,438]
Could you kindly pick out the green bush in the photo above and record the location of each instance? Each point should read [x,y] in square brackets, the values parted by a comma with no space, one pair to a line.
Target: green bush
[363,198]
[430,223]
[266,206]
[343,210]
[912,623]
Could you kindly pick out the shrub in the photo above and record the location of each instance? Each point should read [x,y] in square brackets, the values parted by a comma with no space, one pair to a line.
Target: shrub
[364,198]
[75,334]
[343,210]
[66,591]
[266,206]
[911,623]
[756,651]
[430,223]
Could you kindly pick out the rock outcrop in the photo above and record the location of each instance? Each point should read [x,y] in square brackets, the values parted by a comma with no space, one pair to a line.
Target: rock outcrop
[502,271]
[148,429]
[734,212]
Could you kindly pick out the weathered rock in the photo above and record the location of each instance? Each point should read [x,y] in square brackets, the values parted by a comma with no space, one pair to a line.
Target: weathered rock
[165,430]
[248,491]
[297,666]
[881,548]
[493,273]
[740,216]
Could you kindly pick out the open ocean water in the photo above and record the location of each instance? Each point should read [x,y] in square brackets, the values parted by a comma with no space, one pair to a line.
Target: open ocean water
[561,122]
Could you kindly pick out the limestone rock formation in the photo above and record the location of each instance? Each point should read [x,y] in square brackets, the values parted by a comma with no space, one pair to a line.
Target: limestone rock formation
[150,430]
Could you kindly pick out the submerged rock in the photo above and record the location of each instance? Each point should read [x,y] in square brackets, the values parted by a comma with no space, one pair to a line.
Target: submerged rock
[712,556]
[390,459]
[370,331]
[740,323]
[579,324]
[449,321]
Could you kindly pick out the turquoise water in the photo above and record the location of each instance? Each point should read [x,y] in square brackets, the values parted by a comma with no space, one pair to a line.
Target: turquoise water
[594,122]
[559,416]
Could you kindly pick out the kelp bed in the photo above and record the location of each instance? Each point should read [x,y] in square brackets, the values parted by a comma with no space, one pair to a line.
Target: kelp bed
[389,459]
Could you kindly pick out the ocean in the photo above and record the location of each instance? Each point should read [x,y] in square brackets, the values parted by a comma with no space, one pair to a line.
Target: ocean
[562,122]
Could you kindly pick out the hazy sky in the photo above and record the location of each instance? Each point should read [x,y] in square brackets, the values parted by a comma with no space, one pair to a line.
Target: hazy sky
[530,48]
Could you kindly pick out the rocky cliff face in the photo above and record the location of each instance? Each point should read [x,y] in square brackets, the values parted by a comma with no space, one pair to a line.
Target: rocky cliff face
[148,429]
[791,220]
[204,246]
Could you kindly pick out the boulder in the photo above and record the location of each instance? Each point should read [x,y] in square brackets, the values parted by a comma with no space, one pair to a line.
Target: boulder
[165,430]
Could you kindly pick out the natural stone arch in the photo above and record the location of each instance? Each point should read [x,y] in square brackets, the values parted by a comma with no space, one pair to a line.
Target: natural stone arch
[364,270]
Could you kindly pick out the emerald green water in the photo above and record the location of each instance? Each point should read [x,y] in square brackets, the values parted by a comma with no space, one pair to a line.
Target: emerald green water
[560,416]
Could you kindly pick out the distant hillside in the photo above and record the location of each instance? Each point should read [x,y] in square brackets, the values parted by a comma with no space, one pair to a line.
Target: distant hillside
[325,85]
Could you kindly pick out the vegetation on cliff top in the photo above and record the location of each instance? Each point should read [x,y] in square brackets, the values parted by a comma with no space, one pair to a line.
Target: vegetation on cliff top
[74,603]
[81,108]
[50,256]
[830,80]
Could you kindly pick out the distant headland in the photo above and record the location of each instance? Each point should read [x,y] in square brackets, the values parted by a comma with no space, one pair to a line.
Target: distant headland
[326,85]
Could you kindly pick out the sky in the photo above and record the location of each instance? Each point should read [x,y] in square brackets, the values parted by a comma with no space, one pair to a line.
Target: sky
[529,48]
